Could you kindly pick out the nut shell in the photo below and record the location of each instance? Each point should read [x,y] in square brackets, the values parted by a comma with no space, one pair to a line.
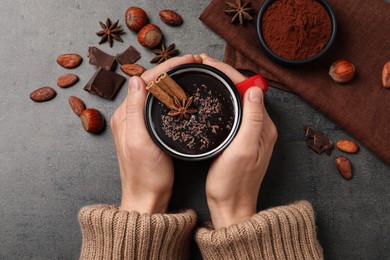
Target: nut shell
[171,17]
[136,18]
[92,120]
[342,71]
[150,36]
[43,94]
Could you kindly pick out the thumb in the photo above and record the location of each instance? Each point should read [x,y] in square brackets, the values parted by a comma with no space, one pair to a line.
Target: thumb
[252,118]
[135,102]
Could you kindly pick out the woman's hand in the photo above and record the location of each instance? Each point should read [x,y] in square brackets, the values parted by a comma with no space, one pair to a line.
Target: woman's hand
[146,171]
[235,176]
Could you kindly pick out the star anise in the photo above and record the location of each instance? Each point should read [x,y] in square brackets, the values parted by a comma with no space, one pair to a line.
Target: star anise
[164,53]
[182,109]
[110,31]
[240,11]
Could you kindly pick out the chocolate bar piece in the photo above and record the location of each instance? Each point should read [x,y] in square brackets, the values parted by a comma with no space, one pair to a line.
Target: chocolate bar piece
[310,143]
[317,141]
[320,139]
[105,83]
[129,56]
[101,59]
[309,132]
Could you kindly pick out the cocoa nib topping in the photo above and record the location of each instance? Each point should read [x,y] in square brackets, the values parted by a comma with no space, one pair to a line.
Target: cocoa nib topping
[200,130]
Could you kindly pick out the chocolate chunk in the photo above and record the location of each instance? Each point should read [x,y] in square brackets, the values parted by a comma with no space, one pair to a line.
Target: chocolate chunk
[309,132]
[328,148]
[315,148]
[101,59]
[318,141]
[105,83]
[129,56]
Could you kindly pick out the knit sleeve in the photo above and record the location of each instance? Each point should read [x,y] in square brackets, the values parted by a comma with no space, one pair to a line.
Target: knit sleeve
[285,232]
[111,233]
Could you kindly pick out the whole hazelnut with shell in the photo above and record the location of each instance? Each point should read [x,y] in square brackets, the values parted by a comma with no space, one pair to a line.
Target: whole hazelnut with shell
[342,71]
[92,120]
[136,18]
[150,36]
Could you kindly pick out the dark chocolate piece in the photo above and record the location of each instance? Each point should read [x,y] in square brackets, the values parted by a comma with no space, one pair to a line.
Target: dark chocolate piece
[105,83]
[315,148]
[328,148]
[101,59]
[309,132]
[129,56]
[318,141]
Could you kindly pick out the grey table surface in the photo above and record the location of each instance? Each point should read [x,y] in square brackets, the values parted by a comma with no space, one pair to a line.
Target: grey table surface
[50,167]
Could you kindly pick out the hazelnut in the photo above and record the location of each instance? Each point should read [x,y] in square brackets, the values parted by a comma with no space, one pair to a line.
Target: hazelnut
[386,75]
[92,120]
[342,71]
[150,36]
[136,18]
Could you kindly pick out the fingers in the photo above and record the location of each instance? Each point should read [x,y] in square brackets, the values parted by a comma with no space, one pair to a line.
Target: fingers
[135,102]
[117,122]
[233,74]
[254,115]
[153,73]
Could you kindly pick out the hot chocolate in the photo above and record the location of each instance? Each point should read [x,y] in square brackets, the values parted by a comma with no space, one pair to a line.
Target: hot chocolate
[207,130]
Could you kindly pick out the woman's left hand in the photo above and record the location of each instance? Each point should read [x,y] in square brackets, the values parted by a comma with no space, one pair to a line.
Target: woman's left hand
[146,171]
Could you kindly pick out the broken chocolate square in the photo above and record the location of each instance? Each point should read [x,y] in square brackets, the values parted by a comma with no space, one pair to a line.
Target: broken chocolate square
[309,132]
[317,141]
[314,147]
[129,56]
[320,139]
[101,59]
[328,148]
[105,83]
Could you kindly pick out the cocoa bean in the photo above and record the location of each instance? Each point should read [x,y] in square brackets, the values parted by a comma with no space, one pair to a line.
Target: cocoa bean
[347,146]
[69,61]
[132,69]
[171,17]
[43,94]
[343,165]
[77,105]
[67,80]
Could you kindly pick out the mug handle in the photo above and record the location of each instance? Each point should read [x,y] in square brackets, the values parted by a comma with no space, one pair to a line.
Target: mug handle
[254,81]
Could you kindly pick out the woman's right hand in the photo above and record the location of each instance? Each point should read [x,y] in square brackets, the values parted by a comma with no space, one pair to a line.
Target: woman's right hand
[234,178]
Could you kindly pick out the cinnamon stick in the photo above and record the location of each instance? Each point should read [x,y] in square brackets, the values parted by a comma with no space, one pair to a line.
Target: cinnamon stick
[166,83]
[160,94]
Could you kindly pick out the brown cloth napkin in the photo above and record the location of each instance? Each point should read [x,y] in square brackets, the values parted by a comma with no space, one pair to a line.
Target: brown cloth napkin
[361,107]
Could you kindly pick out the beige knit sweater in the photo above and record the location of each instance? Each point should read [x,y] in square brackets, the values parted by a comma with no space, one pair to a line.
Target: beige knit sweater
[286,232]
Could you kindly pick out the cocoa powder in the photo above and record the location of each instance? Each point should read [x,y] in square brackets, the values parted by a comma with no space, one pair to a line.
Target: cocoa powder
[296,29]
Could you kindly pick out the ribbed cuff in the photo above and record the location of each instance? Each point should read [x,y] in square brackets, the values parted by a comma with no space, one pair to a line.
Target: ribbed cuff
[111,233]
[286,232]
